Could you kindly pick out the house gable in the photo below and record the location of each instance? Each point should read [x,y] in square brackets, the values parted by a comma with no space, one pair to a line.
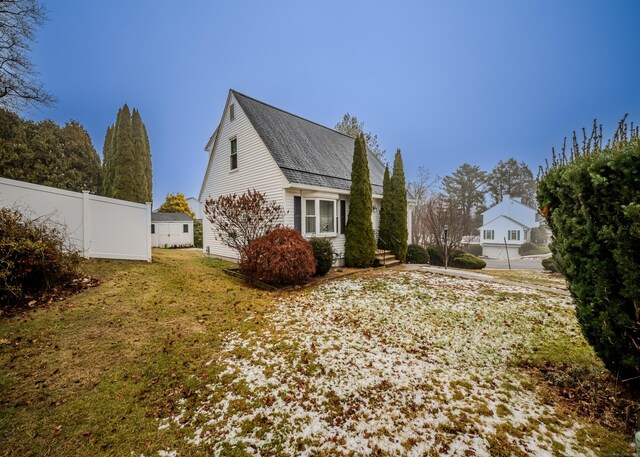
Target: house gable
[256,168]
[512,209]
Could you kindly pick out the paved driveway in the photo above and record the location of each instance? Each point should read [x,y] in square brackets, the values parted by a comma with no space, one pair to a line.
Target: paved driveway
[520,263]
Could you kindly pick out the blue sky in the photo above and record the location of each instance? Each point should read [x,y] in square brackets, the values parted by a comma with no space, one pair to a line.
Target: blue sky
[448,82]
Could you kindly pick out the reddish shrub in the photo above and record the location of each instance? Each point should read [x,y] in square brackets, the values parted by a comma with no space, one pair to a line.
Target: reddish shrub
[282,257]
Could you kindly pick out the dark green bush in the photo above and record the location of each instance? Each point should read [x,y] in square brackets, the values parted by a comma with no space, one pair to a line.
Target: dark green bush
[592,205]
[197,233]
[417,254]
[549,264]
[532,249]
[474,249]
[468,261]
[436,256]
[34,258]
[323,253]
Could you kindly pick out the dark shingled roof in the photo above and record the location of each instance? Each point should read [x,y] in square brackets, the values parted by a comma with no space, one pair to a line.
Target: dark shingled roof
[306,152]
[170,217]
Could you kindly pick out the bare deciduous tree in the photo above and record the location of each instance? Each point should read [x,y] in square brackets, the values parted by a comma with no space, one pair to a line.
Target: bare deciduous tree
[440,212]
[421,189]
[19,87]
[239,219]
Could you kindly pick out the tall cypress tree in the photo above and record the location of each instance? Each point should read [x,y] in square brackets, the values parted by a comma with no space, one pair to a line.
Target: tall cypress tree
[398,210]
[127,158]
[383,226]
[360,245]
[141,143]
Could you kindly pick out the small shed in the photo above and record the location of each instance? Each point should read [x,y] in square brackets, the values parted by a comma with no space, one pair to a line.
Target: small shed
[171,230]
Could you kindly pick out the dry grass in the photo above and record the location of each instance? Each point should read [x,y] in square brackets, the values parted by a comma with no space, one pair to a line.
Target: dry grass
[90,374]
[538,278]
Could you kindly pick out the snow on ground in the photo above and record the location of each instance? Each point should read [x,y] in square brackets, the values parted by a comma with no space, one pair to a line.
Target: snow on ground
[403,364]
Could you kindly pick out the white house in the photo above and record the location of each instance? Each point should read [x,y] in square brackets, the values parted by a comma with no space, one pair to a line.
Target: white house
[303,166]
[171,230]
[506,226]
[195,206]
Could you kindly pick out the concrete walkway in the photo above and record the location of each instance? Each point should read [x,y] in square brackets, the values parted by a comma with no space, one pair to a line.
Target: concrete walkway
[480,277]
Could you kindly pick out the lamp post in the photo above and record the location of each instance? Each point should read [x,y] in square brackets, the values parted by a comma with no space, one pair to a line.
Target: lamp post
[446,249]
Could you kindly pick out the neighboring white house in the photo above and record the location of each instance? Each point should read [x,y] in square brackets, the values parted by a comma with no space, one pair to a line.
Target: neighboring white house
[171,230]
[303,166]
[195,206]
[506,226]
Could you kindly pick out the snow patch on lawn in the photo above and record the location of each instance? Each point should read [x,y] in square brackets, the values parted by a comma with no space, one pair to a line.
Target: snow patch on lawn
[403,364]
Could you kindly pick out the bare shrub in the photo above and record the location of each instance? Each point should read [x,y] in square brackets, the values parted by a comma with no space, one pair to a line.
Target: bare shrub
[237,220]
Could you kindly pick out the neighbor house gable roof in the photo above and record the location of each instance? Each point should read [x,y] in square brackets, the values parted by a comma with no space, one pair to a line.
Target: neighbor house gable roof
[506,217]
[306,152]
[170,217]
[513,200]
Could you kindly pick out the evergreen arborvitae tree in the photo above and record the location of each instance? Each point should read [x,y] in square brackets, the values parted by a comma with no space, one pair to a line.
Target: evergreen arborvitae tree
[397,224]
[383,225]
[127,159]
[45,153]
[360,245]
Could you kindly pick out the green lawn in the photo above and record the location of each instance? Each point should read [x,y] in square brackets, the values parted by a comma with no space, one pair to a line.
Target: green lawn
[177,356]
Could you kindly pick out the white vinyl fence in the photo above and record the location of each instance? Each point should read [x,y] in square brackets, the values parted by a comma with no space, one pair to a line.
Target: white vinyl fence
[98,227]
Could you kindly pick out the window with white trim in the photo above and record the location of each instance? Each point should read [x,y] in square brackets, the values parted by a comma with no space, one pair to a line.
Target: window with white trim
[232,111]
[514,235]
[234,153]
[320,217]
[310,216]
[489,235]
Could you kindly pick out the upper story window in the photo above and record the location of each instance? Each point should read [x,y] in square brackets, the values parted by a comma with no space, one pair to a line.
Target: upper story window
[232,111]
[489,235]
[514,235]
[234,153]
[320,217]
[185,228]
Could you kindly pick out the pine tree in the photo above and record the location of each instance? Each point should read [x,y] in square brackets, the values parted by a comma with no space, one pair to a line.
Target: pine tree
[383,225]
[465,187]
[360,245]
[127,159]
[176,203]
[397,224]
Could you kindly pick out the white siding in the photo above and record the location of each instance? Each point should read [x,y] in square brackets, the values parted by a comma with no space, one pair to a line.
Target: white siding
[501,227]
[171,234]
[256,170]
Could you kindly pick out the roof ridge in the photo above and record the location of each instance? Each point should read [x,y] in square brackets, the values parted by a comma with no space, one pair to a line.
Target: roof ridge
[290,113]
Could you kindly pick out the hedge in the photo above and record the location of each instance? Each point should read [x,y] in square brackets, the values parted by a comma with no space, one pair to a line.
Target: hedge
[591,202]
[468,261]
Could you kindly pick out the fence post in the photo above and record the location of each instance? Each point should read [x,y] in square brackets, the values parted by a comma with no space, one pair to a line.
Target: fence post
[148,237]
[86,224]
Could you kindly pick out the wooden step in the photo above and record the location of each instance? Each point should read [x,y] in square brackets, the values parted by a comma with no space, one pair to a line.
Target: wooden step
[386,257]
[391,263]
[382,251]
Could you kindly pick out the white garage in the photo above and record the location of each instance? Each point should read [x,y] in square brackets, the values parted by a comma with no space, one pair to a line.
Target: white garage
[171,230]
